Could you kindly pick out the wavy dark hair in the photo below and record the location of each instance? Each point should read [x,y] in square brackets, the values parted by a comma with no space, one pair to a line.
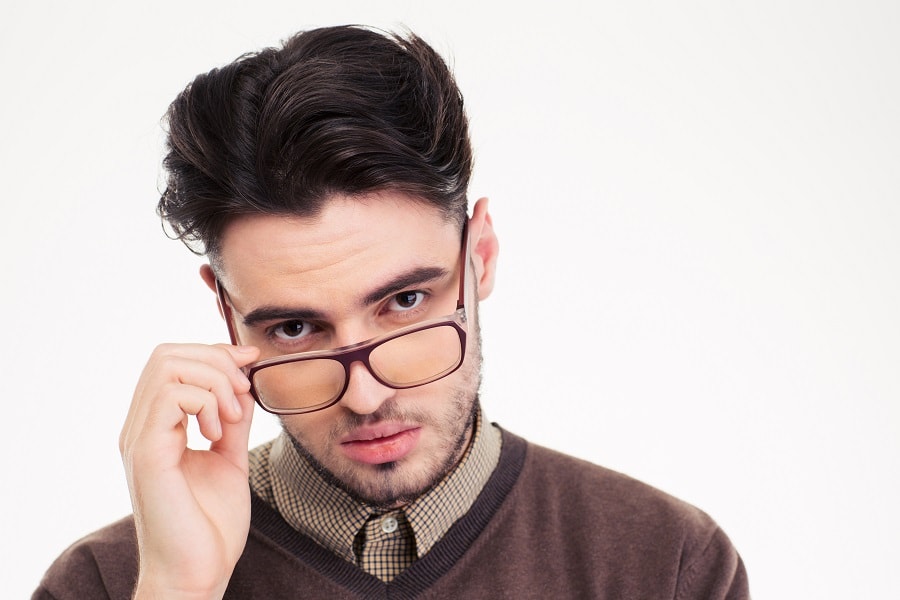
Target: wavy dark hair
[339,110]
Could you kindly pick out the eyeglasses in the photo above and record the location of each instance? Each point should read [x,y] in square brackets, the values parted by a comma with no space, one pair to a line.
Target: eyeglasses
[404,358]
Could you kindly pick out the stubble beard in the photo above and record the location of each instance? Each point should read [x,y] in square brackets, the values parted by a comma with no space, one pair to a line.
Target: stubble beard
[394,484]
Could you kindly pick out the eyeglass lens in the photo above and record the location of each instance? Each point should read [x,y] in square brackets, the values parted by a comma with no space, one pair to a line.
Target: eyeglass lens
[409,360]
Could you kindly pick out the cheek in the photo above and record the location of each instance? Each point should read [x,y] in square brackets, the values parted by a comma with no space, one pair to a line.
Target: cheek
[310,429]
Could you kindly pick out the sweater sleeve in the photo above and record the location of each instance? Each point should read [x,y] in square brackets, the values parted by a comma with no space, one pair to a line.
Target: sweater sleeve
[101,565]
[712,570]
[42,594]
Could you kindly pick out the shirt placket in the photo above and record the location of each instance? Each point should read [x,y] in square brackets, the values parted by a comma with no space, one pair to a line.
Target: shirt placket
[386,545]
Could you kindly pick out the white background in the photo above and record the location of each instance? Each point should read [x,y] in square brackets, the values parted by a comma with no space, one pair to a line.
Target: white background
[698,209]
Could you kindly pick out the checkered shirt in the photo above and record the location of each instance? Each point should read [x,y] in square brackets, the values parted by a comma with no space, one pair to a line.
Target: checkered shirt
[382,543]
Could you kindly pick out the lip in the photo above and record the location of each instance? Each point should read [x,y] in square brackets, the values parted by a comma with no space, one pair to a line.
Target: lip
[381,443]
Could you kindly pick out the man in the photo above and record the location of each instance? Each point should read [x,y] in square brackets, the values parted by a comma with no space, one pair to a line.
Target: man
[326,181]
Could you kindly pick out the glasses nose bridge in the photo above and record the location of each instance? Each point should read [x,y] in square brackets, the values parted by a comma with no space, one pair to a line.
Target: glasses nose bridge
[360,355]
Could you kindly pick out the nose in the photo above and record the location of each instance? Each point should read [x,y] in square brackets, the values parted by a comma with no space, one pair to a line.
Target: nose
[364,394]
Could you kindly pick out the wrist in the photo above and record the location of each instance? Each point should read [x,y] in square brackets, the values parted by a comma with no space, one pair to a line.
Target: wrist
[150,588]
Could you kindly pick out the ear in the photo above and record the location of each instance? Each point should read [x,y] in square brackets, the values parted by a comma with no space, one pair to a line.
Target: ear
[485,248]
[209,278]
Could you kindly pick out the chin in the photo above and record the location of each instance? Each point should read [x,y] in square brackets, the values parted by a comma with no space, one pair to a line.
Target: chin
[398,482]
[393,484]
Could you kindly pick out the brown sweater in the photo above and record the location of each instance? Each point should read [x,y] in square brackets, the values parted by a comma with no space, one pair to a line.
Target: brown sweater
[545,526]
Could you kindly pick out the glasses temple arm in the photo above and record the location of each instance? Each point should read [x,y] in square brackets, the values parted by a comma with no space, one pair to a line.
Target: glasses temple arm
[464,260]
[226,312]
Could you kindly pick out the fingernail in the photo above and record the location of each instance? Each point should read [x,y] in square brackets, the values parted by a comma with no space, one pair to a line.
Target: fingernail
[237,405]
[245,349]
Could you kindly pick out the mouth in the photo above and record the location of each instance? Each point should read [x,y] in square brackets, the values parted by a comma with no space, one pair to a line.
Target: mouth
[380,444]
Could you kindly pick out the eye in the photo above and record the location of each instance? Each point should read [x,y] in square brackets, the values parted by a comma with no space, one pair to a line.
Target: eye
[291,330]
[406,301]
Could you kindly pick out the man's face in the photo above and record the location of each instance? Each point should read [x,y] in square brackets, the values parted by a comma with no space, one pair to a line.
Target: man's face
[359,269]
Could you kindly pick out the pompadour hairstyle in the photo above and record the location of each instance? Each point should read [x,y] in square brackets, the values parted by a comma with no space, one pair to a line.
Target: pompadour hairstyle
[340,110]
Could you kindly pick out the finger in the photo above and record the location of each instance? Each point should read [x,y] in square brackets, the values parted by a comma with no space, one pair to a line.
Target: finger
[161,438]
[180,387]
[229,359]
[206,392]
[207,367]
[204,405]
[224,357]
[241,355]
[222,386]
[153,375]
[235,439]
[213,368]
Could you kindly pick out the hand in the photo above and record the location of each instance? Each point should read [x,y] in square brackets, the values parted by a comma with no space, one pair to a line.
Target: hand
[191,507]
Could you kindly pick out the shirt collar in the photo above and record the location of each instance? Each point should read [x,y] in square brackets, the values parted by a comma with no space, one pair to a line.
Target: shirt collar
[333,519]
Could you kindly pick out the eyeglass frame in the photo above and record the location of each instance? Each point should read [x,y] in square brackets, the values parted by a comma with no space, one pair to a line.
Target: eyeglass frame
[360,351]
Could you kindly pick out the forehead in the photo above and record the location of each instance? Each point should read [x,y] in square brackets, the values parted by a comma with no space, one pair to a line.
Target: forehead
[350,240]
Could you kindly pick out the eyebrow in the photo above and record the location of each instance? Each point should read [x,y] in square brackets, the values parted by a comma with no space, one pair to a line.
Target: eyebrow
[411,278]
[279,313]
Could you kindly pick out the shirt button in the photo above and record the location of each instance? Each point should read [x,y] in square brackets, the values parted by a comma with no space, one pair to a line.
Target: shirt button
[389,524]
